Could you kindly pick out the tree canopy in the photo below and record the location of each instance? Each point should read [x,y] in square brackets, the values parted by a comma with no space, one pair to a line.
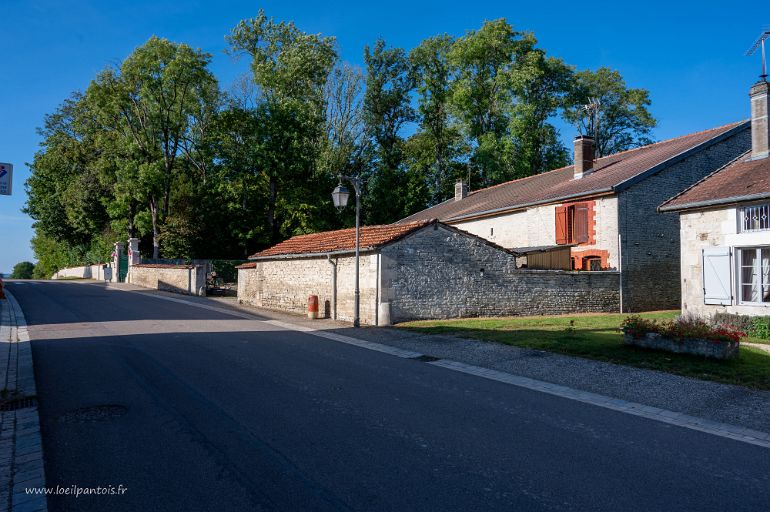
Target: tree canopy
[154,149]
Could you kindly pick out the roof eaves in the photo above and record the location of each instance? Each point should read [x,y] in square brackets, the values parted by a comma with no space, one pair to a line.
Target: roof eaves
[714,202]
[496,211]
[679,157]
[304,255]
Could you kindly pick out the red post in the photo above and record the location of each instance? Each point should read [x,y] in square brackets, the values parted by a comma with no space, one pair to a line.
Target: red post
[312,306]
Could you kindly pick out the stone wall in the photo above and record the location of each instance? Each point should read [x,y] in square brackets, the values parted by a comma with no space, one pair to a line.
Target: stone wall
[713,228]
[441,273]
[85,272]
[431,273]
[285,284]
[536,226]
[650,244]
[185,279]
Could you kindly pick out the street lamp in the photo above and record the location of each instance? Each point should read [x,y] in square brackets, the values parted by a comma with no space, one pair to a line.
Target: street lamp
[340,196]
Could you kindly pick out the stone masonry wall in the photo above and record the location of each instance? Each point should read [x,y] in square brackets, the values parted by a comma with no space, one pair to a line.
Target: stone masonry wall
[437,273]
[650,244]
[713,228]
[185,279]
[285,284]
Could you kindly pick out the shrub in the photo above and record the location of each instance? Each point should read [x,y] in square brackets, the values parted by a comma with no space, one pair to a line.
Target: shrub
[637,326]
[741,322]
[693,327]
[682,328]
[754,326]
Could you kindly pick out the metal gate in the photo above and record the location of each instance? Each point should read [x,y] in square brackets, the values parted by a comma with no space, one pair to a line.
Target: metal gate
[122,267]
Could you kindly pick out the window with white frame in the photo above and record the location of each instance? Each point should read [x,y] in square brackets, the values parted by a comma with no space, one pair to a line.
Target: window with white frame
[754,275]
[755,218]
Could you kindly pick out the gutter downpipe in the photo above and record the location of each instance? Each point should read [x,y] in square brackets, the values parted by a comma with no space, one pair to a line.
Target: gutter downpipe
[620,268]
[334,286]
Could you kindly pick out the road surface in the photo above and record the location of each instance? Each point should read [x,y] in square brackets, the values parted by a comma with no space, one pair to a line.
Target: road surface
[192,409]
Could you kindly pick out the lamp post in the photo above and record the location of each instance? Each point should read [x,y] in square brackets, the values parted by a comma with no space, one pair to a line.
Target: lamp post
[340,196]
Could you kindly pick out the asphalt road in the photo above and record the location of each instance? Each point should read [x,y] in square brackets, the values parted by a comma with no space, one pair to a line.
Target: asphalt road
[192,410]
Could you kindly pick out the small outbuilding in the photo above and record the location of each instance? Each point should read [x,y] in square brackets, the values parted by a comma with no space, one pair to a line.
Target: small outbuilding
[416,270]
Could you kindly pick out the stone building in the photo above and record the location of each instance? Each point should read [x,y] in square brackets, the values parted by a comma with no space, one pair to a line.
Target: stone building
[418,270]
[725,228]
[604,210]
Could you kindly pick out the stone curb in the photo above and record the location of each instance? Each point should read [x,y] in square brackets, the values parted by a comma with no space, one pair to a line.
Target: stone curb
[21,446]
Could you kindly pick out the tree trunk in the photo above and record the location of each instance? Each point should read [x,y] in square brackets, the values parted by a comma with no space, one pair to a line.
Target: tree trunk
[271,224]
[131,215]
[155,231]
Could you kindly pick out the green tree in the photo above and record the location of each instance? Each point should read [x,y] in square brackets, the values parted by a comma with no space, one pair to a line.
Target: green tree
[505,93]
[23,270]
[158,104]
[625,121]
[387,108]
[290,70]
[436,149]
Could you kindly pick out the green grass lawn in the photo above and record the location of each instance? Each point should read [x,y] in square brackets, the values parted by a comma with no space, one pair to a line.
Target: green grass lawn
[598,336]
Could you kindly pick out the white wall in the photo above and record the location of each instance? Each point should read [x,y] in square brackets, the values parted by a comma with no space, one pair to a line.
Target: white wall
[713,228]
[536,226]
[85,272]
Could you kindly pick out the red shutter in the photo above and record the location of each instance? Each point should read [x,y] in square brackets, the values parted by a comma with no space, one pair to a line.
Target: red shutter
[581,224]
[562,235]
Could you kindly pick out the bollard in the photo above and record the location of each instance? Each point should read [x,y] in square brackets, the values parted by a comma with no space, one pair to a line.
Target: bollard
[312,307]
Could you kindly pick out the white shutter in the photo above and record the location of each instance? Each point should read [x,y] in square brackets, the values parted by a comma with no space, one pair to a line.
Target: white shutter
[716,276]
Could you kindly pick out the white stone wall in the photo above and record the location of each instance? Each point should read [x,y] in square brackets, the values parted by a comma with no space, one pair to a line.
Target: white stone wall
[188,280]
[286,284]
[85,272]
[536,226]
[713,228]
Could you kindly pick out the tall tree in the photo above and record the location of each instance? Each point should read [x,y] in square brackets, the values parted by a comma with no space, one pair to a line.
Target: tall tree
[290,69]
[158,102]
[387,108]
[624,120]
[435,149]
[540,85]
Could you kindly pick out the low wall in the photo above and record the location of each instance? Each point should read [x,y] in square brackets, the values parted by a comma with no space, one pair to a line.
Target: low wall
[516,293]
[86,272]
[185,279]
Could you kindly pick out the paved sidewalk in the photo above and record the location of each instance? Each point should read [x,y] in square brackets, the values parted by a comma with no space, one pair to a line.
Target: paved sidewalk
[21,449]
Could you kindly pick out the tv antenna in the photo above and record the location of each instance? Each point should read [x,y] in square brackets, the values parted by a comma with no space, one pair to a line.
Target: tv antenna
[760,43]
[592,110]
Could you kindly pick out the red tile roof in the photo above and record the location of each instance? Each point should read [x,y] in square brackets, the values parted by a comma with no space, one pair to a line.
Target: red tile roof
[741,180]
[609,172]
[341,240]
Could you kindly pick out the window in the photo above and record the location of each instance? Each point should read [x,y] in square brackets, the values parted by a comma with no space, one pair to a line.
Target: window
[572,224]
[755,218]
[754,275]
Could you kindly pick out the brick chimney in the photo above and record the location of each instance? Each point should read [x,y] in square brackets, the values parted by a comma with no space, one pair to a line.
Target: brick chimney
[760,127]
[584,156]
[461,190]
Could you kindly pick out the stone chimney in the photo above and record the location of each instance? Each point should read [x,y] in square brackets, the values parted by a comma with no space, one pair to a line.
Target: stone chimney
[584,156]
[760,127]
[461,190]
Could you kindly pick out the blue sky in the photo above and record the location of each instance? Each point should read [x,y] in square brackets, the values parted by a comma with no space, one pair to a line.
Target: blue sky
[690,55]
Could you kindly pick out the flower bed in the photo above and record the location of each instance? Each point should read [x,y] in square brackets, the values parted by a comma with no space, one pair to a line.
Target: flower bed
[683,335]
